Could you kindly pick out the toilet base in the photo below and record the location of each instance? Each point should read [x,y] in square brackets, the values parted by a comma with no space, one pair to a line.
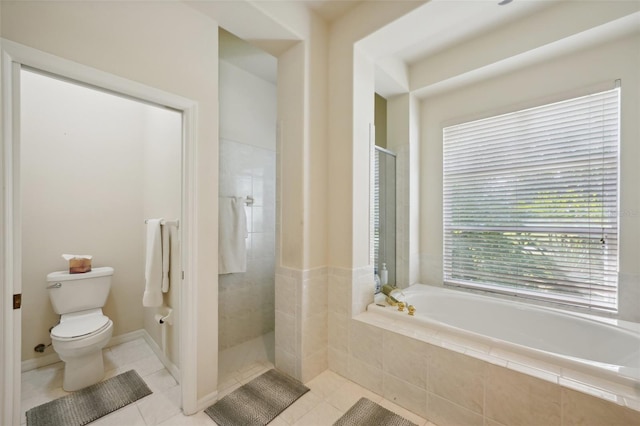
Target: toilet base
[82,371]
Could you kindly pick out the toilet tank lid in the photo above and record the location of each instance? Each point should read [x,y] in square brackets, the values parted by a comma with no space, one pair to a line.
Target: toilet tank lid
[66,276]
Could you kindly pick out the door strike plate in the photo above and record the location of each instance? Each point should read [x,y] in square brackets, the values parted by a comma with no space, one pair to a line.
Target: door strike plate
[17,301]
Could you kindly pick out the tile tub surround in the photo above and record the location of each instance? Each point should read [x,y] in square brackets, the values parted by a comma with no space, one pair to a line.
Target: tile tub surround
[451,381]
[531,339]
[416,368]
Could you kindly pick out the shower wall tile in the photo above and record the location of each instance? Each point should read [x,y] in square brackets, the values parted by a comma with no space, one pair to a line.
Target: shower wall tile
[247,300]
[286,332]
[302,319]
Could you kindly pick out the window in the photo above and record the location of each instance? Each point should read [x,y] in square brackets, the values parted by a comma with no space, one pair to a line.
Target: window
[531,202]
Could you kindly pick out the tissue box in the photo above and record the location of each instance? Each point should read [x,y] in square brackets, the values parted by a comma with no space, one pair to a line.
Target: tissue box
[78,266]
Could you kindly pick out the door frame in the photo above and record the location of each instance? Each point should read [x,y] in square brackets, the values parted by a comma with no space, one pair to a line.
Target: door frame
[13,57]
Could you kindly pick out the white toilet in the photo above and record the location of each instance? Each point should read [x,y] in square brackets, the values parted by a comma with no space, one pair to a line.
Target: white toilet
[83,330]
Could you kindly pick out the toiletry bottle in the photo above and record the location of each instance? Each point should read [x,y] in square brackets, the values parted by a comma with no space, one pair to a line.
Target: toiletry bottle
[378,284]
[384,275]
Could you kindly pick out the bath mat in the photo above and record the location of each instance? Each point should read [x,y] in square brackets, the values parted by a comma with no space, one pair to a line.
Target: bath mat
[366,412]
[258,402]
[90,403]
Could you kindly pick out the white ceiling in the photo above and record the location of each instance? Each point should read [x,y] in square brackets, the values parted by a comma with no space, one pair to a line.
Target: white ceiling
[248,57]
[330,10]
[430,28]
[254,60]
[440,24]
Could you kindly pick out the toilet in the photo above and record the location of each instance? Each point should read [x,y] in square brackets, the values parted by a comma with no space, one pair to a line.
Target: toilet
[83,329]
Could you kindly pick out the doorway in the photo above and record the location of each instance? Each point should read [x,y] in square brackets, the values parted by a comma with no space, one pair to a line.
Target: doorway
[246,290]
[93,166]
[20,61]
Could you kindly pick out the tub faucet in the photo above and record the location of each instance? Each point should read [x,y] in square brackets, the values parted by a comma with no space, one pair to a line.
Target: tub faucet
[394,295]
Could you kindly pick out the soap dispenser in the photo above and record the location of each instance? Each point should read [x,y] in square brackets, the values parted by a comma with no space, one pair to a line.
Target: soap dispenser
[384,274]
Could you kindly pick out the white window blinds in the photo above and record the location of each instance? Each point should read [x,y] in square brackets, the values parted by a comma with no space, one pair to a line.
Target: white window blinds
[531,202]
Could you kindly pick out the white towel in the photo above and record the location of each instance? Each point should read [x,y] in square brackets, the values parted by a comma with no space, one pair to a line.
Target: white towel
[166,258]
[153,267]
[232,232]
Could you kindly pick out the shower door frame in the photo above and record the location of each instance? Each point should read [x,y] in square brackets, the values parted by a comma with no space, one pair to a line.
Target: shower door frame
[14,57]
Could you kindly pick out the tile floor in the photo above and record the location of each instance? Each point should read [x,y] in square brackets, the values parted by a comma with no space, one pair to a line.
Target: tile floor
[331,395]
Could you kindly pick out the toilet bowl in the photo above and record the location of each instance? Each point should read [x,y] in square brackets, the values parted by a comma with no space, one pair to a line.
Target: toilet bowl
[78,340]
[83,330]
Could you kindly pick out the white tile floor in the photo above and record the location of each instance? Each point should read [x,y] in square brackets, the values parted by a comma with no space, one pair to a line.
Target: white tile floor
[330,396]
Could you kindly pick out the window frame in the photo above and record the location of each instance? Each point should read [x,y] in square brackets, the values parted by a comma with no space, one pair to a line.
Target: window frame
[567,300]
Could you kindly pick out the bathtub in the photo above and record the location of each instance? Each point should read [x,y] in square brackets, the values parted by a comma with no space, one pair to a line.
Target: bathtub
[591,351]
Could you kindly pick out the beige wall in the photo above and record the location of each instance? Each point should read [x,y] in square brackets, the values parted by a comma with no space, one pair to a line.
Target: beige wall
[175,51]
[248,107]
[380,120]
[351,92]
[81,157]
[93,167]
[162,196]
[566,76]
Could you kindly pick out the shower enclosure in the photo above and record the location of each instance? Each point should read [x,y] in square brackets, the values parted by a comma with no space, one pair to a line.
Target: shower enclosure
[384,212]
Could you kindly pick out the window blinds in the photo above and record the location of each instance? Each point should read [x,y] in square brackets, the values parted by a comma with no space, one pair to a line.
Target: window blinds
[531,202]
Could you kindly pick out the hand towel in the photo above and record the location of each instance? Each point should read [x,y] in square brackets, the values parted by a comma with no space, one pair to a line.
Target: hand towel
[166,257]
[153,266]
[232,232]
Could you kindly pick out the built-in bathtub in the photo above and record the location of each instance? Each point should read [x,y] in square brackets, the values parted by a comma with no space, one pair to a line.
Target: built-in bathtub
[600,356]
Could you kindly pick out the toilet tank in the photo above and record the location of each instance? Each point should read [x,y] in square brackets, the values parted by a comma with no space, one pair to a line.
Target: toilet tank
[79,292]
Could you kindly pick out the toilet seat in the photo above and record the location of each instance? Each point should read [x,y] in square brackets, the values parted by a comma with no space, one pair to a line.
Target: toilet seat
[82,325]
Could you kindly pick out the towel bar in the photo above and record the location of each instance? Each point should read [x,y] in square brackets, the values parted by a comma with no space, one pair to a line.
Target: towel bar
[175,223]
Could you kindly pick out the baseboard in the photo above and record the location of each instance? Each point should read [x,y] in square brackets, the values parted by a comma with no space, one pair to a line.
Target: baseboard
[126,337]
[207,401]
[170,366]
[43,361]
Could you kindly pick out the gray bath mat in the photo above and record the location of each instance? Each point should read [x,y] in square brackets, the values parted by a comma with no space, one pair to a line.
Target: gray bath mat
[366,412]
[90,403]
[258,402]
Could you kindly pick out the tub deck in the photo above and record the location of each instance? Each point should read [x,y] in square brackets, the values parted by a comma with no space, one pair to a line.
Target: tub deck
[597,356]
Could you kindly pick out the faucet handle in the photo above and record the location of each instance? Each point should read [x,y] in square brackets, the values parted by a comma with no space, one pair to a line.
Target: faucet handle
[401,306]
[412,310]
